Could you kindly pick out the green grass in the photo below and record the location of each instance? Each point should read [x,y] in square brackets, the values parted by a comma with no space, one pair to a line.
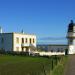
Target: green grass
[59,69]
[23,65]
[17,65]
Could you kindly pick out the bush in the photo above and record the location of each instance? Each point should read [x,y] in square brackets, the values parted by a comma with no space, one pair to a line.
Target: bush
[2,51]
[59,68]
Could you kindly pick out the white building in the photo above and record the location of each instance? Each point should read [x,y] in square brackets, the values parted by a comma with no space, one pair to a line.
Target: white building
[17,42]
[71,38]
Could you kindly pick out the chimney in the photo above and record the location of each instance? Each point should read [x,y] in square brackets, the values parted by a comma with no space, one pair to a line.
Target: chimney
[0,30]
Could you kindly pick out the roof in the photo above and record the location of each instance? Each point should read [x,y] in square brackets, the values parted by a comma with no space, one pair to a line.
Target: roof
[70,27]
[18,33]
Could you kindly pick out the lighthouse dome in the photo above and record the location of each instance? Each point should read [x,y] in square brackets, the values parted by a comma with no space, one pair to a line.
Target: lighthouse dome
[71,26]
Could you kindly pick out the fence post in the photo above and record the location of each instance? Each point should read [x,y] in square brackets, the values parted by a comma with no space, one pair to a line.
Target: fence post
[44,69]
[52,65]
[56,59]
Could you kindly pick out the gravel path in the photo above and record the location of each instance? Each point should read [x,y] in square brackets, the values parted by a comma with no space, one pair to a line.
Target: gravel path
[70,67]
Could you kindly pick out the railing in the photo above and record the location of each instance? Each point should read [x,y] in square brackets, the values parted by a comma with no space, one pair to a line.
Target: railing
[71,34]
[31,46]
[24,45]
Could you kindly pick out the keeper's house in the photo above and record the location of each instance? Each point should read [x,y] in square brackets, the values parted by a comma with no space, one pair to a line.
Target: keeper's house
[17,42]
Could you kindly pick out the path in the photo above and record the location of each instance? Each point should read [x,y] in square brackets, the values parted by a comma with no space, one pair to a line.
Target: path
[70,67]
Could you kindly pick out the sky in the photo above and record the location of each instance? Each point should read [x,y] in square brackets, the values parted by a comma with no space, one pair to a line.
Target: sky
[44,18]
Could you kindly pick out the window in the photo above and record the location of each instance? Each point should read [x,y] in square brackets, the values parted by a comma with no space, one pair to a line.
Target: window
[22,40]
[22,48]
[33,41]
[26,40]
[51,50]
[17,40]
[30,40]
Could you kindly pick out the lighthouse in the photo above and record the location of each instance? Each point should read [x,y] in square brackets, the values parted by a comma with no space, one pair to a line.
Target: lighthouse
[71,37]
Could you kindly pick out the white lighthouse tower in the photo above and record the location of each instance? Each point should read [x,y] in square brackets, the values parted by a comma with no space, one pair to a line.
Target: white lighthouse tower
[71,38]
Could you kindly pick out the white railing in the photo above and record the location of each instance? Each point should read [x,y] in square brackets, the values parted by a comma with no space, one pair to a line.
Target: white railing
[24,45]
[71,34]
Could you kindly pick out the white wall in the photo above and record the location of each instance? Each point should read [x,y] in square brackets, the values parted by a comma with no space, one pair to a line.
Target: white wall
[20,36]
[10,41]
[71,45]
[50,53]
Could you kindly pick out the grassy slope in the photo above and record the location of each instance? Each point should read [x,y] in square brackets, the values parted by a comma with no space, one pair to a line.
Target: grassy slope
[59,69]
[17,65]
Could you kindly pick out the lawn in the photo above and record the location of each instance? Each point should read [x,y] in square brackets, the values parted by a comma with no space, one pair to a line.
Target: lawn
[24,65]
